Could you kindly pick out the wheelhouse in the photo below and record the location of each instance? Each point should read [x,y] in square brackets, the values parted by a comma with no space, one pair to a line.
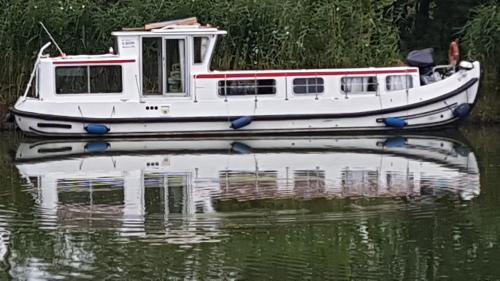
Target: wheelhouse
[146,64]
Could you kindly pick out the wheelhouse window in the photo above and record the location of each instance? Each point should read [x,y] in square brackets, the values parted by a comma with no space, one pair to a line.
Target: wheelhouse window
[89,79]
[200,47]
[359,85]
[72,80]
[308,85]
[247,87]
[399,82]
[174,55]
[152,71]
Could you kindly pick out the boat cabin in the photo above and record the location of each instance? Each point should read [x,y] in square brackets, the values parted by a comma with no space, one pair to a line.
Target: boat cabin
[154,63]
[175,62]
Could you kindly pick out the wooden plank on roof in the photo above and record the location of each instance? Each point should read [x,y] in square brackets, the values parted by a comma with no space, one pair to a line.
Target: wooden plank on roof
[157,25]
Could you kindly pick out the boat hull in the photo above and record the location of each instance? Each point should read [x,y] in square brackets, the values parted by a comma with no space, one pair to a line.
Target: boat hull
[423,109]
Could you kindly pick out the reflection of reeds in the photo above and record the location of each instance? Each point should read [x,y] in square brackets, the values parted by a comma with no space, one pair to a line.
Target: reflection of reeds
[262,34]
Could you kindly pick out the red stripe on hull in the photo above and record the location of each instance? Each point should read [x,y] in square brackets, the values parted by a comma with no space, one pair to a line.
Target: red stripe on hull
[302,74]
[93,62]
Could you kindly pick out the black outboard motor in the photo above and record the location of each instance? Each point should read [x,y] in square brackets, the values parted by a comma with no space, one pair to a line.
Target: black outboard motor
[424,60]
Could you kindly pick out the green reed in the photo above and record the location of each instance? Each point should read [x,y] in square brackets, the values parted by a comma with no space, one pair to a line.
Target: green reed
[481,39]
[262,33]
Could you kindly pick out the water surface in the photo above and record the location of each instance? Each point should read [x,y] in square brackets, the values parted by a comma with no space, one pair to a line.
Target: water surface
[376,207]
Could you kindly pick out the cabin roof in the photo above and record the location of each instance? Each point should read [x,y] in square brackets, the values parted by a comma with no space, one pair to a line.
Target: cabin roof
[184,31]
[187,26]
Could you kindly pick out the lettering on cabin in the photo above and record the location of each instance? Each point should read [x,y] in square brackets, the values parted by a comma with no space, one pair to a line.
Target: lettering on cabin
[128,44]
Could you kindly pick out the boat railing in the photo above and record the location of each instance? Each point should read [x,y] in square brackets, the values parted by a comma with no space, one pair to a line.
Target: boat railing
[349,85]
[35,69]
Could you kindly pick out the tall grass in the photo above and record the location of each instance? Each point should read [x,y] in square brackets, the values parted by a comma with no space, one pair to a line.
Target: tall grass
[262,33]
[481,39]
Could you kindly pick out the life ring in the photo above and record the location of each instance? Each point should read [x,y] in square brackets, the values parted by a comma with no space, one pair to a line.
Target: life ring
[454,53]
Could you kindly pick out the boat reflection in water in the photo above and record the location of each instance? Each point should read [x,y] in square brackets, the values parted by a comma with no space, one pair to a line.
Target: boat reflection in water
[131,179]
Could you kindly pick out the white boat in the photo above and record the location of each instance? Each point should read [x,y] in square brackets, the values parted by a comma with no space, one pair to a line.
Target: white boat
[158,82]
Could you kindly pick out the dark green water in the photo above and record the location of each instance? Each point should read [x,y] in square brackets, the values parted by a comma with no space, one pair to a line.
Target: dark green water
[412,207]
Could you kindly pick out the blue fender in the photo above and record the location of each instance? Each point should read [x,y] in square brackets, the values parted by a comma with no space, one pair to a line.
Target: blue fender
[395,122]
[462,110]
[241,122]
[97,129]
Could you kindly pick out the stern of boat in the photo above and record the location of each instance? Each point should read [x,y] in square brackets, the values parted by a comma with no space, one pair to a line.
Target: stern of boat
[474,73]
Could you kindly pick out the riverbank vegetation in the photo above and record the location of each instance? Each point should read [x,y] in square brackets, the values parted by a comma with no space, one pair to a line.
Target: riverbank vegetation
[482,41]
[262,33]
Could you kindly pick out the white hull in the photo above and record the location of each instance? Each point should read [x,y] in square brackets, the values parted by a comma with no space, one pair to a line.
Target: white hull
[439,113]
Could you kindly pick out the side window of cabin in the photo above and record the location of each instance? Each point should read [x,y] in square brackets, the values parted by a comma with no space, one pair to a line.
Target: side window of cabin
[359,85]
[106,79]
[72,80]
[399,82]
[89,79]
[308,85]
[200,47]
[247,87]
[152,71]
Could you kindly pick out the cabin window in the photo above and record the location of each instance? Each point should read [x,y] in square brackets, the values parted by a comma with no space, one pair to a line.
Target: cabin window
[152,66]
[399,82]
[89,79]
[72,80]
[106,79]
[308,85]
[174,52]
[247,87]
[200,47]
[359,85]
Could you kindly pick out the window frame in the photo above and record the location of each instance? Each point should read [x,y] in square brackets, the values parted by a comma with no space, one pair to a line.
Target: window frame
[398,75]
[377,85]
[307,85]
[185,59]
[219,88]
[188,92]
[161,92]
[204,58]
[88,93]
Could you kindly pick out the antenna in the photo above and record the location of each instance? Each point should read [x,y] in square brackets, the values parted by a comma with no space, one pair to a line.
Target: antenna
[52,39]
